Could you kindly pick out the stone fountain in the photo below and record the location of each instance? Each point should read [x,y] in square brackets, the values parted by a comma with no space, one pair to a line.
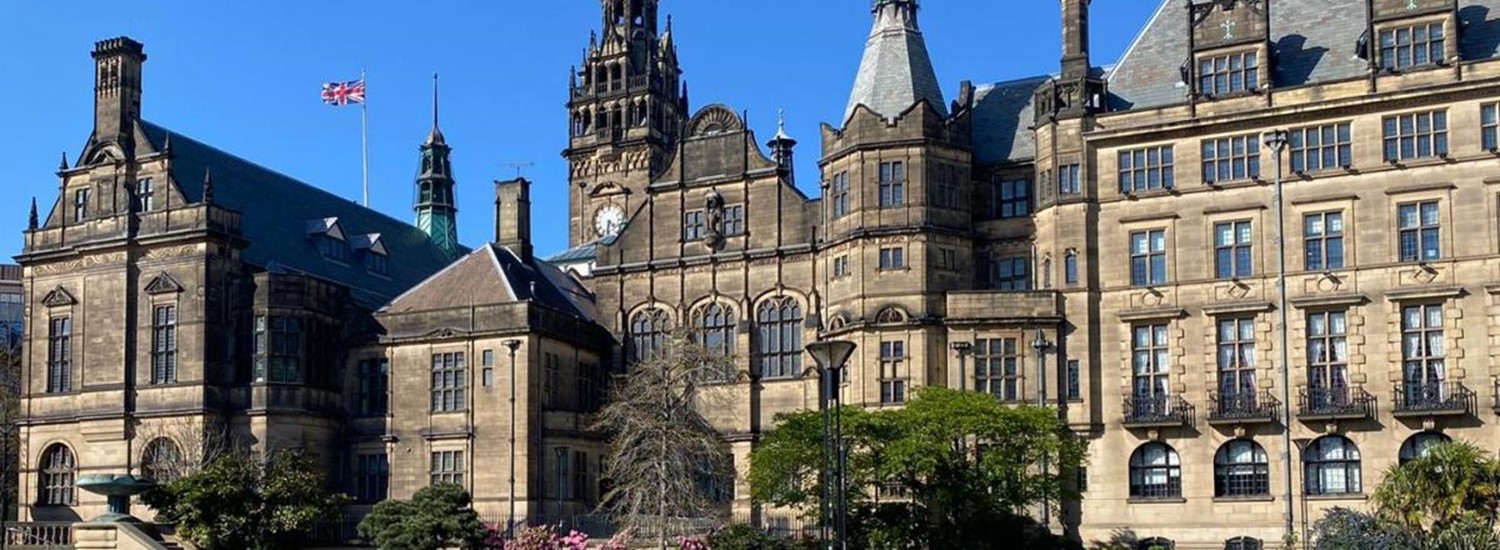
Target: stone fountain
[118,488]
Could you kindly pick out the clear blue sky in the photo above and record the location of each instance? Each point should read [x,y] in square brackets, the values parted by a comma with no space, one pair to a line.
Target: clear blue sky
[244,77]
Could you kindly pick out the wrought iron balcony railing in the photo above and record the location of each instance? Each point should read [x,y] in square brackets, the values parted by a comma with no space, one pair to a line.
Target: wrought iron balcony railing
[1157,411]
[1246,407]
[1433,399]
[1335,403]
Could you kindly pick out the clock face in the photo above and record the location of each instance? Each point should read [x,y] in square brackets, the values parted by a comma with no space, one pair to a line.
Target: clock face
[609,220]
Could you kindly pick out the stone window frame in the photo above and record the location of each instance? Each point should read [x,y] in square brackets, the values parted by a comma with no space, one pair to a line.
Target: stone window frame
[160,458]
[1149,274]
[1235,477]
[1433,371]
[446,466]
[60,351]
[1301,148]
[840,267]
[999,374]
[1146,169]
[1350,464]
[145,194]
[1073,381]
[371,485]
[372,384]
[894,388]
[1230,159]
[893,258]
[1419,444]
[838,190]
[1450,44]
[694,225]
[734,220]
[778,337]
[1069,179]
[717,323]
[81,204]
[449,382]
[1070,267]
[1233,259]
[1251,62]
[1420,230]
[1169,468]
[1399,128]
[551,381]
[1325,237]
[891,188]
[1012,198]
[1489,127]
[57,476]
[1337,378]
[165,321]
[649,327]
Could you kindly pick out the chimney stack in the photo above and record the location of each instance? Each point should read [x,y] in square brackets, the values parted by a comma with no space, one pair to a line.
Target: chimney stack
[117,90]
[513,216]
[1075,39]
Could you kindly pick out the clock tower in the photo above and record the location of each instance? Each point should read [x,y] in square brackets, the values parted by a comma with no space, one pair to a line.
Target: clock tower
[626,110]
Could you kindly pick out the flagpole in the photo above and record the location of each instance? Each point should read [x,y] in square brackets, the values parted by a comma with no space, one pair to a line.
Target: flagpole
[364,136]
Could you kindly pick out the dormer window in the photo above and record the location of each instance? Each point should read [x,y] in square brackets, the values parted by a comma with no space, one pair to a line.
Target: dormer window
[329,238]
[372,253]
[1406,46]
[1229,74]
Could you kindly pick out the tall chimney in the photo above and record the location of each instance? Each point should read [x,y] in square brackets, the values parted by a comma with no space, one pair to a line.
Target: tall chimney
[513,216]
[117,90]
[1075,39]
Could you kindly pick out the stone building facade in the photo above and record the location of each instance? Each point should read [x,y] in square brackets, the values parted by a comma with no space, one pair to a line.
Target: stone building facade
[1113,228]
[1122,217]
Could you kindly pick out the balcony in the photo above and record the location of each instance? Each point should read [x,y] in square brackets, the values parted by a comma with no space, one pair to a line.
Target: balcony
[1157,411]
[1243,408]
[1336,403]
[1433,399]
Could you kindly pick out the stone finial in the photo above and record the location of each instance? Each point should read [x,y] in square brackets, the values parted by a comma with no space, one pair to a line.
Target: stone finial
[33,221]
[208,186]
[63,166]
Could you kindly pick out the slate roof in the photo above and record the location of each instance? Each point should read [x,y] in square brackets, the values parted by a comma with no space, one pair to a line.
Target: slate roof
[1003,117]
[896,71]
[582,253]
[1315,41]
[494,275]
[278,211]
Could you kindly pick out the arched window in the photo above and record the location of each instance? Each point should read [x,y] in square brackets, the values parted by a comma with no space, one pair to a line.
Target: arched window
[779,348]
[716,322]
[1243,543]
[1155,472]
[162,460]
[648,332]
[1419,445]
[1330,466]
[1241,469]
[1156,543]
[59,474]
[890,315]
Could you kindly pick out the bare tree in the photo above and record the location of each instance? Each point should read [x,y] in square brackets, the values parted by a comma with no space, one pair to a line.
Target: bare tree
[664,453]
[181,446]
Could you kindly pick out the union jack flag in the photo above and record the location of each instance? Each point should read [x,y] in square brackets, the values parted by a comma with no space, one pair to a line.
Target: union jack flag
[343,93]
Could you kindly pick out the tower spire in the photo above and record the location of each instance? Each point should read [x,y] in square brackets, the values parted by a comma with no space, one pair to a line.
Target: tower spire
[781,148]
[436,136]
[896,71]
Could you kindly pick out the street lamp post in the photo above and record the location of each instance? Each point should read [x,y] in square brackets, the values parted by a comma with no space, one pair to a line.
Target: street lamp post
[831,355]
[1042,345]
[1276,141]
[510,522]
[962,349]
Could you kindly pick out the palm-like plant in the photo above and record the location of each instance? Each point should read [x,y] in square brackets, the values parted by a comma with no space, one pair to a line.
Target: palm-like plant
[1452,482]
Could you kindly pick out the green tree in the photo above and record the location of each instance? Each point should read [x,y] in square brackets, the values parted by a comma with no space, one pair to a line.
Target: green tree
[967,462]
[663,451]
[436,517]
[242,502]
[1452,481]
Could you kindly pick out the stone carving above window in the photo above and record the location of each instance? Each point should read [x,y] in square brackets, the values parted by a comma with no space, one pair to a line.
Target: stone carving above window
[59,297]
[163,284]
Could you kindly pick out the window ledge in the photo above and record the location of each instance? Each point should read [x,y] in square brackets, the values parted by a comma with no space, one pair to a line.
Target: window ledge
[1335,497]
[1246,498]
[1156,500]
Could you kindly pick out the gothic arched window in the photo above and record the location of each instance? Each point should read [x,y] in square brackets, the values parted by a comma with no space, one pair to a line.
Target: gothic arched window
[715,323]
[162,460]
[1243,543]
[1241,469]
[59,477]
[779,347]
[648,332]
